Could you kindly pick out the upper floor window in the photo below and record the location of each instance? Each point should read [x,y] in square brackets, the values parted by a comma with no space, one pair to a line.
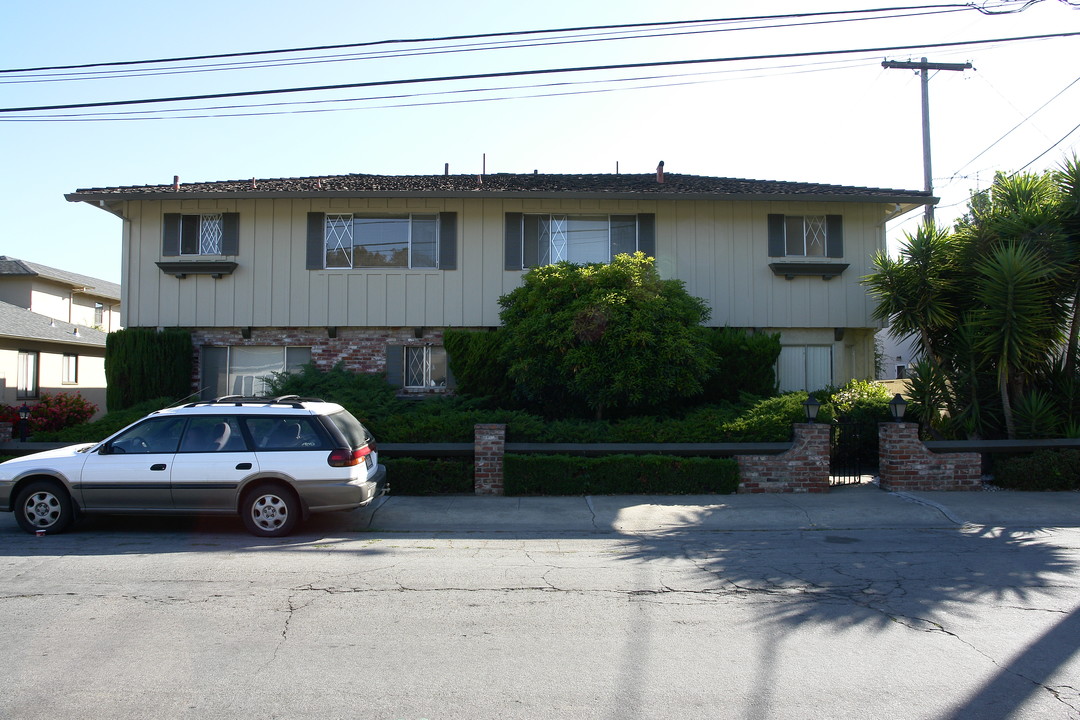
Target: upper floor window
[99,314]
[202,234]
[350,240]
[408,241]
[806,236]
[543,239]
[69,370]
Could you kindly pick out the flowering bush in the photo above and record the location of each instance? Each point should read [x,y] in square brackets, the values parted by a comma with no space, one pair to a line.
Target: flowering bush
[9,413]
[55,412]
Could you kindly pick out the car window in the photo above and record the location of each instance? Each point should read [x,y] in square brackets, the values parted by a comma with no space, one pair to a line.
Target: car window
[156,435]
[286,433]
[351,428]
[213,433]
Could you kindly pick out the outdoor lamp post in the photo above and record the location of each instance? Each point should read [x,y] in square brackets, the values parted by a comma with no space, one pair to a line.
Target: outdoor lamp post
[812,406]
[24,421]
[897,406]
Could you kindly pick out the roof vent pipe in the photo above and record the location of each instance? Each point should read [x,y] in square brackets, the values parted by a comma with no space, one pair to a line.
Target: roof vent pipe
[660,172]
[446,169]
[176,183]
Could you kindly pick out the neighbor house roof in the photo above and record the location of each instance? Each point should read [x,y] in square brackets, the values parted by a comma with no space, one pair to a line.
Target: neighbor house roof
[613,186]
[10,266]
[18,322]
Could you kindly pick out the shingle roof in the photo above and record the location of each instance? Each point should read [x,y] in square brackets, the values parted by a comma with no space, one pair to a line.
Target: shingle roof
[17,322]
[512,184]
[95,286]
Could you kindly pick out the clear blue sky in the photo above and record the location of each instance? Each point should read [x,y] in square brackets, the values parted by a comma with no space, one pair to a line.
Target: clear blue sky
[842,120]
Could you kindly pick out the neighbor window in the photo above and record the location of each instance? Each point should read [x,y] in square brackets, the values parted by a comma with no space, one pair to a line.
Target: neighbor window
[810,236]
[245,370]
[543,239]
[70,370]
[377,241]
[27,375]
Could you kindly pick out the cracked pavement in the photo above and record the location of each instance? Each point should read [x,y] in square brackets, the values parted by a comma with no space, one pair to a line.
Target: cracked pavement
[133,618]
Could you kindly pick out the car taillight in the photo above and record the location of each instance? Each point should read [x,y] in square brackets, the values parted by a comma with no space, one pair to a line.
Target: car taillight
[347,458]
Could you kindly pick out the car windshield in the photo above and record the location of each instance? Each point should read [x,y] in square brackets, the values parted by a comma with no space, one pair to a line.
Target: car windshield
[350,427]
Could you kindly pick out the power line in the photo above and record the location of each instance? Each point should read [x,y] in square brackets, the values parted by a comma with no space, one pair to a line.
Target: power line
[420,52]
[1029,162]
[478,36]
[520,73]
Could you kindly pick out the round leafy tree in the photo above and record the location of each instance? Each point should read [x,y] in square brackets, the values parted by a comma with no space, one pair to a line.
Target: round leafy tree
[607,337]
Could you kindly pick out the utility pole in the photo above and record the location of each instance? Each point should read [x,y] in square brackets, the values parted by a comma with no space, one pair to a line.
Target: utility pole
[924,67]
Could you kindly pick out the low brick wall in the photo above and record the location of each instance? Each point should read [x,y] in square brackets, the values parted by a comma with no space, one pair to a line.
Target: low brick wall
[906,464]
[803,468]
[489,447]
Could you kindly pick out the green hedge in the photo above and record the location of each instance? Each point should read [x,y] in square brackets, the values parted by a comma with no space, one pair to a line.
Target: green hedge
[1041,470]
[142,364]
[618,475]
[438,476]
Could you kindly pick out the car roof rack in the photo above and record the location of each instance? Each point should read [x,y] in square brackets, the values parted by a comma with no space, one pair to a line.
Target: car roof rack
[295,401]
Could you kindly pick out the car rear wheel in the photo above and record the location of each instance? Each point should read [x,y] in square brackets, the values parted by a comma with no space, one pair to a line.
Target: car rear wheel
[44,506]
[270,510]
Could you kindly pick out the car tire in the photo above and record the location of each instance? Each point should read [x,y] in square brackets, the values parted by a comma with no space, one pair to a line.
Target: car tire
[270,510]
[44,506]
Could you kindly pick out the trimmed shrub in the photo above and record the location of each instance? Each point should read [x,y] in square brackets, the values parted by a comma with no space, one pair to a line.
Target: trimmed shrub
[618,475]
[142,364]
[770,420]
[428,476]
[1041,470]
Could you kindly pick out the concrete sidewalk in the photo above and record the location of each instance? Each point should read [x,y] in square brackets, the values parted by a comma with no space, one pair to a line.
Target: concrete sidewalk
[863,506]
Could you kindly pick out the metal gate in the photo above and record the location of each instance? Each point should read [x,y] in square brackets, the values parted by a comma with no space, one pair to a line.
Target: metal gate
[853,452]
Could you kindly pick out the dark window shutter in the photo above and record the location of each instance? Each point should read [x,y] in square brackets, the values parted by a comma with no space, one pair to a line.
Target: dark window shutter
[834,236]
[512,242]
[776,236]
[316,240]
[531,242]
[230,233]
[448,241]
[170,239]
[395,365]
[646,233]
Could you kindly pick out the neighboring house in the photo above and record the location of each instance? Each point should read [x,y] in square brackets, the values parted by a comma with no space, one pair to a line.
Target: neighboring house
[896,356]
[369,270]
[52,332]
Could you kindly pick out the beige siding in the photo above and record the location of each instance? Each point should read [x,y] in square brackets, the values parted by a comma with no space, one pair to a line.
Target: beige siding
[719,249]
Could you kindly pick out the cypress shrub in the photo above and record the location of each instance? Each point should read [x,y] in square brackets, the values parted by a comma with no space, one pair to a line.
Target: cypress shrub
[142,364]
[618,475]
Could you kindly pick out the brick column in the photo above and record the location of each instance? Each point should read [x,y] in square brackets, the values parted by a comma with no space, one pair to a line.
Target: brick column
[5,431]
[803,468]
[489,444]
[906,464]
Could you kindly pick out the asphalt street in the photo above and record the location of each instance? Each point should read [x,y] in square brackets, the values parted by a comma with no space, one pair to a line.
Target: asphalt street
[852,605]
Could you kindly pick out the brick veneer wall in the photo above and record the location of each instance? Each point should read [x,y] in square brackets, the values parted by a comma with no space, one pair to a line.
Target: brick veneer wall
[361,349]
[906,464]
[803,468]
[489,445]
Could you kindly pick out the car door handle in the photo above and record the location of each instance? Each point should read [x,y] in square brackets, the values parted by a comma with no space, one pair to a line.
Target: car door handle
[157,468]
[243,466]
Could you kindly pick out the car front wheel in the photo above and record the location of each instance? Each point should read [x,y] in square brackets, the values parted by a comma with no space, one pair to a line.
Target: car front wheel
[44,506]
[270,510]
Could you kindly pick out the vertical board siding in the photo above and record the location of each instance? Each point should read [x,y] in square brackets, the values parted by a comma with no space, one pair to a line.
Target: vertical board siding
[718,248]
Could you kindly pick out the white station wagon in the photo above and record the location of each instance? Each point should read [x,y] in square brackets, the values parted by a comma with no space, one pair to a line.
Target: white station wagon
[270,460]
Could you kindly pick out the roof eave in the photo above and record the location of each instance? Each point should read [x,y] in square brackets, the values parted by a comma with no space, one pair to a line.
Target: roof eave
[100,199]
